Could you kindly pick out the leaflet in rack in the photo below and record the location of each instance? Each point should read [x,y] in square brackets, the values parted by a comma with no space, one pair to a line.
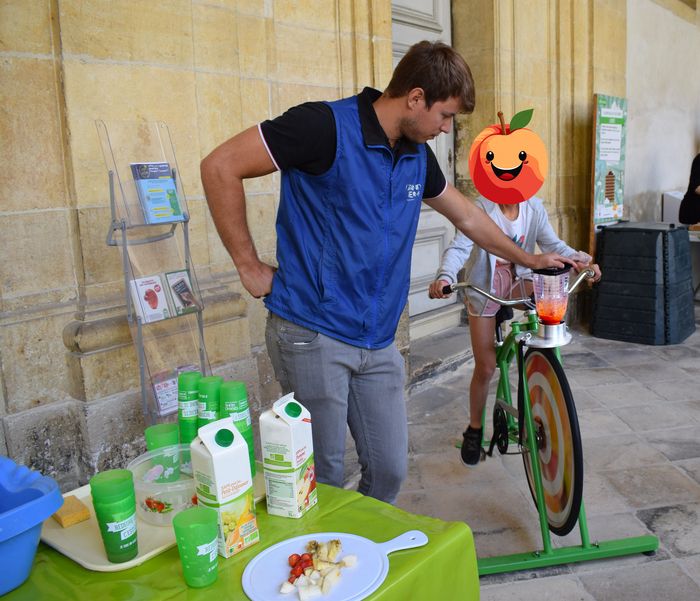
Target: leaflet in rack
[181,293]
[157,192]
[150,300]
[165,388]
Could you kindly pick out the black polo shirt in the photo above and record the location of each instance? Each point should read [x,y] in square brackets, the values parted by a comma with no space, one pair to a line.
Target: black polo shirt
[304,137]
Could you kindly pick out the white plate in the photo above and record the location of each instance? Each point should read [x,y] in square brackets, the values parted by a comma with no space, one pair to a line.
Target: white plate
[83,543]
[265,573]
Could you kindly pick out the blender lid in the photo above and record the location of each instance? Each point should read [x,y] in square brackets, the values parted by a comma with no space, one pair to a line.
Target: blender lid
[552,270]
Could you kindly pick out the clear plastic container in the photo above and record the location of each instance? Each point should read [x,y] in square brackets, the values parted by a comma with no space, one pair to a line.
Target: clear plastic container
[160,497]
[551,287]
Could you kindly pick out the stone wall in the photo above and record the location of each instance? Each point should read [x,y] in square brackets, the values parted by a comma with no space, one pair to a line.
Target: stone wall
[69,380]
[663,62]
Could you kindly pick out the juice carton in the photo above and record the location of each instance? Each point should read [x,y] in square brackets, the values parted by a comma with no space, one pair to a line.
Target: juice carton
[288,458]
[221,471]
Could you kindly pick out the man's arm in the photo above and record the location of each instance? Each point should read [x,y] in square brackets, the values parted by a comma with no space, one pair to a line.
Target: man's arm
[223,172]
[478,226]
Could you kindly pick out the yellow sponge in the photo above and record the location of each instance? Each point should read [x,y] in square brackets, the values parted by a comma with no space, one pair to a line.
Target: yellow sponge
[73,511]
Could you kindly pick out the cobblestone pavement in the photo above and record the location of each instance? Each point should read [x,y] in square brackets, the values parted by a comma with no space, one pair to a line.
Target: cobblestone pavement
[639,413]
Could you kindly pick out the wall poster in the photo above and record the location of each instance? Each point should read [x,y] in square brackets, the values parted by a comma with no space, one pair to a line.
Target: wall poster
[609,124]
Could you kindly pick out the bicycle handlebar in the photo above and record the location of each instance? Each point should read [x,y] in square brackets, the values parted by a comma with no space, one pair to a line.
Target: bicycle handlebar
[504,302]
[585,274]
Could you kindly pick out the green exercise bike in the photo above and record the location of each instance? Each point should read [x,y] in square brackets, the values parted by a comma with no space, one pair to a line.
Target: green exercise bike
[542,425]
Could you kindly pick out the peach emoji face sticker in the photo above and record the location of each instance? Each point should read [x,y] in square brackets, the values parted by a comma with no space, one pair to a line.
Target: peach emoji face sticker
[508,162]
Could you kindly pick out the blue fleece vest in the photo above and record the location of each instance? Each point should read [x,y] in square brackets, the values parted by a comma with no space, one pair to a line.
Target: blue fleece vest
[344,238]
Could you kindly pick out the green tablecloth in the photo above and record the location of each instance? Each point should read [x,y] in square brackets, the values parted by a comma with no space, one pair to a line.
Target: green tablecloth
[443,569]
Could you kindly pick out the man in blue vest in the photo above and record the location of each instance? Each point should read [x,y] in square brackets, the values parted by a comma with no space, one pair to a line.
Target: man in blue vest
[354,174]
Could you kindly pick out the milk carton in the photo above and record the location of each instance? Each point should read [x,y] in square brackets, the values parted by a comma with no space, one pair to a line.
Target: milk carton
[221,471]
[288,458]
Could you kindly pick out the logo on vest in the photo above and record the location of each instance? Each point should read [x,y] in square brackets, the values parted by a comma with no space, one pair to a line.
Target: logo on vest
[413,192]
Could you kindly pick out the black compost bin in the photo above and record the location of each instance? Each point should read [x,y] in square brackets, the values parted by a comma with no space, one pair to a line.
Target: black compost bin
[646,293]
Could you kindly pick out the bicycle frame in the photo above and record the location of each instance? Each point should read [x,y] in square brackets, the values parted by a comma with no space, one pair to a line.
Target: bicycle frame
[523,333]
[505,353]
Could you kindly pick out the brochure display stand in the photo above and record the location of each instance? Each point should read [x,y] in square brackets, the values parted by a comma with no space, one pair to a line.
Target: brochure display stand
[150,223]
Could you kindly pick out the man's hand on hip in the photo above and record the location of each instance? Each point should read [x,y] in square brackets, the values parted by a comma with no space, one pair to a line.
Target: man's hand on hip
[257,278]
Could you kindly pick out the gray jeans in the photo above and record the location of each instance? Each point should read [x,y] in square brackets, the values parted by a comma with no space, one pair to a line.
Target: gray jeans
[338,384]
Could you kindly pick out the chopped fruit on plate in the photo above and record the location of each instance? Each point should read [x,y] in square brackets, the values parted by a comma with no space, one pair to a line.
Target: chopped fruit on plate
[315,572]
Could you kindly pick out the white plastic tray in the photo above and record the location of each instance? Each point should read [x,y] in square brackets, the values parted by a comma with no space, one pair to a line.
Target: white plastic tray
[83,543]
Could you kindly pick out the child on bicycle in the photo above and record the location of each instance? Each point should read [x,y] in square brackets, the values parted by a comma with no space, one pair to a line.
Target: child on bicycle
[507,165]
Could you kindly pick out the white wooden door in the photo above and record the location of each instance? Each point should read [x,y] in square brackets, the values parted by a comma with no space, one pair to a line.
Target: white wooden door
[413,21]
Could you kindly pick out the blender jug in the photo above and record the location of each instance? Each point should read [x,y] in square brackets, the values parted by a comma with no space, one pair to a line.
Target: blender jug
[551,287]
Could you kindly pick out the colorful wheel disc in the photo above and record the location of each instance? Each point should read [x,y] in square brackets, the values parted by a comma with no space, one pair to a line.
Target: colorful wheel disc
[559,441]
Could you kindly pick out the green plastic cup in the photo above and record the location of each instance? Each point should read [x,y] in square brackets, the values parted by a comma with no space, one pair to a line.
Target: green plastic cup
[187,404]
[161,435]
[114,501]
[248,437]
[158,437]
[188,432]
[208,404]
[233,398]
[196,531]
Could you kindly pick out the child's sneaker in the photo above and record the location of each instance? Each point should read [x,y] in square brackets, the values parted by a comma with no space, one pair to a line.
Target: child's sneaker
[471,446]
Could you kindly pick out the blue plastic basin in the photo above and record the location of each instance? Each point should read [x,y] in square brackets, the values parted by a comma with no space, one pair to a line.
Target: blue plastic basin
[26,499]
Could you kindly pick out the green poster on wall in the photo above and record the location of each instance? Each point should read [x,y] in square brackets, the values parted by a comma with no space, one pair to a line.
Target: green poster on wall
[609,158]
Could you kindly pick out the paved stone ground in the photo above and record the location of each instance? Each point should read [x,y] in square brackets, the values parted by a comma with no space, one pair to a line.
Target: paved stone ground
[639,413]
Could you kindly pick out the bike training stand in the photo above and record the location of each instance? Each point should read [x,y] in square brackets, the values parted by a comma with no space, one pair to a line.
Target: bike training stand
[551,556]
[548,555]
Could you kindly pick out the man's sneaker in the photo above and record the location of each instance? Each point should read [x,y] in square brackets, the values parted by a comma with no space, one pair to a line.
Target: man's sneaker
[471,446]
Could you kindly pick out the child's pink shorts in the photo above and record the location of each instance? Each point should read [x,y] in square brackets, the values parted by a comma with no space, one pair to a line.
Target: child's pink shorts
[505,283]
